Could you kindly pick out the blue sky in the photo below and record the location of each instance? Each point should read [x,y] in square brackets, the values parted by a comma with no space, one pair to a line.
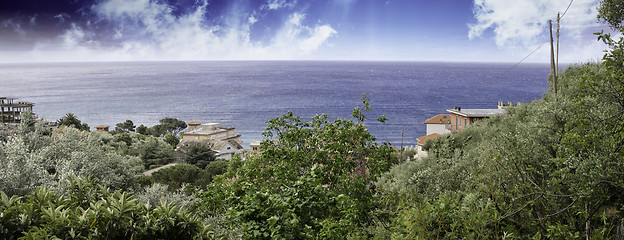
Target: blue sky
[377,30]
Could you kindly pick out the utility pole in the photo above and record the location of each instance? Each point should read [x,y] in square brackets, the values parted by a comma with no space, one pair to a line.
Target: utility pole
[553,72]
[557,59]
[401,157]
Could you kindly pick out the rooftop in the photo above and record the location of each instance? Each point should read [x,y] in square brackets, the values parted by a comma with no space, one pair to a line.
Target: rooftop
[439,119]
[202,131]
[476,112]
[423,139]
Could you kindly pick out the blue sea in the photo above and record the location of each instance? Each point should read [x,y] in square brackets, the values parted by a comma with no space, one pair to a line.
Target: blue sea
[245,94]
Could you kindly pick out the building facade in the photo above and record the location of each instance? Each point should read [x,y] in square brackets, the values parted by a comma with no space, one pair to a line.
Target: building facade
[440,124]
[10,111]
[223,140]
[462,118]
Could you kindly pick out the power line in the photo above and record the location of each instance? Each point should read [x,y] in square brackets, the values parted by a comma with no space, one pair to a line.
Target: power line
[518,63]
[564,12]
[505,72]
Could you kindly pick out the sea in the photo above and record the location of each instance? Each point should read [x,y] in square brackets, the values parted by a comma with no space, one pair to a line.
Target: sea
[245,94]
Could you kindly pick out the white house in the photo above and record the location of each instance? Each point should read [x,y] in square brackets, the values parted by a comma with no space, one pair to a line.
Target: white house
[224,149]
[440,124]
[223,140]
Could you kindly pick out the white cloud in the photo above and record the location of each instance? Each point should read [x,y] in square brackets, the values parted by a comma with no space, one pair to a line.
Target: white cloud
[148,30]
[72,37]
[296,18]
[297,38]
[522,22]
[521,26]
[277,4]
[318,37]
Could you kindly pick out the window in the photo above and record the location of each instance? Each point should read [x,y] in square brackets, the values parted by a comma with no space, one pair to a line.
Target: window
[456,122]
[465,122]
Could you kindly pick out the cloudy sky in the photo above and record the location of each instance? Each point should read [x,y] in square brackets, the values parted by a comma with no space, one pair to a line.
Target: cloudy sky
[404,30]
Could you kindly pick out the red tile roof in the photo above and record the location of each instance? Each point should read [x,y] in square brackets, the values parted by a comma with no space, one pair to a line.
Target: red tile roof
[423,139]
[439,119]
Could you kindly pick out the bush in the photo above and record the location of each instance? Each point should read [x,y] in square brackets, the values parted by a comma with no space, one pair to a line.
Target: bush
[90,211]
[32,158]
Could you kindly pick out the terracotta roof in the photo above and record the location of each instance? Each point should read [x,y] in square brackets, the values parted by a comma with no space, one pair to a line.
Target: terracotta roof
[423,139]
[194,123]
[102,126]
[439,119]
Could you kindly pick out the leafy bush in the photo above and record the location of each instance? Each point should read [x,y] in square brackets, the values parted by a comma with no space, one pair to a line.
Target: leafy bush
[181,174]
[199,155]
[33,157]
[91,211]
[310,181]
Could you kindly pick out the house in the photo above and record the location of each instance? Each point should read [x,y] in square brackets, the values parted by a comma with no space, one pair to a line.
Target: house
[421,142]
[10,112]
[440,124]
[102,128]
[462,118]
[255,146]
[456,120]
[224,149]
[207,131]
[223,140]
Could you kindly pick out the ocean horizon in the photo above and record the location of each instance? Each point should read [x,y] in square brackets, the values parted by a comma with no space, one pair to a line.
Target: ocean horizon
[245,94]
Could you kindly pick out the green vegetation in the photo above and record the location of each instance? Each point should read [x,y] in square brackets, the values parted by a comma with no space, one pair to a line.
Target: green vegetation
[175,177]
[199,155]
[91,211]
[70,120]
[127,126]
[310,181]
[167,126]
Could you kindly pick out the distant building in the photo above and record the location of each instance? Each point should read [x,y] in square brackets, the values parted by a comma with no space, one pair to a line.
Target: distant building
[462,118]
[255,146]
[440,124]
[420,152]
[10,112]
[102,128]
[223,140]
[457,119]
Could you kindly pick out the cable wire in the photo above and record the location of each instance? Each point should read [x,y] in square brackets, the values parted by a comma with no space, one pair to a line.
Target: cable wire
[564,12]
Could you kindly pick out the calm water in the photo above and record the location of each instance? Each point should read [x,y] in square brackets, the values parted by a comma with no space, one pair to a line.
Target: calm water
[246,94]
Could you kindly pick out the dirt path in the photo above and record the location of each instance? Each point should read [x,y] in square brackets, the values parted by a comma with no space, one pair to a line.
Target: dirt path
[149,172]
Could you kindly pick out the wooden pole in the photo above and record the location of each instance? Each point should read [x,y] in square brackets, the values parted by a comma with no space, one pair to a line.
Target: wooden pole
[401,157]
[553,72]
[557,59]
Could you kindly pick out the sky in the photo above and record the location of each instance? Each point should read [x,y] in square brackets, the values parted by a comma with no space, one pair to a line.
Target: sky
[370,30]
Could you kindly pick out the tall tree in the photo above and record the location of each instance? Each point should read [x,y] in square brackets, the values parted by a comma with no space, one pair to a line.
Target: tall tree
[127,126]
[168,125]
[70,120]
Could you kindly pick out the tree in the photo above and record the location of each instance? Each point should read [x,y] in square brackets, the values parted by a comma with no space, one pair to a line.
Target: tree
[612,12]
[70,120]
[127,126]
[199,155]
[310,180]
[142,130]
[167,125]
[155,152]
[171,140]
